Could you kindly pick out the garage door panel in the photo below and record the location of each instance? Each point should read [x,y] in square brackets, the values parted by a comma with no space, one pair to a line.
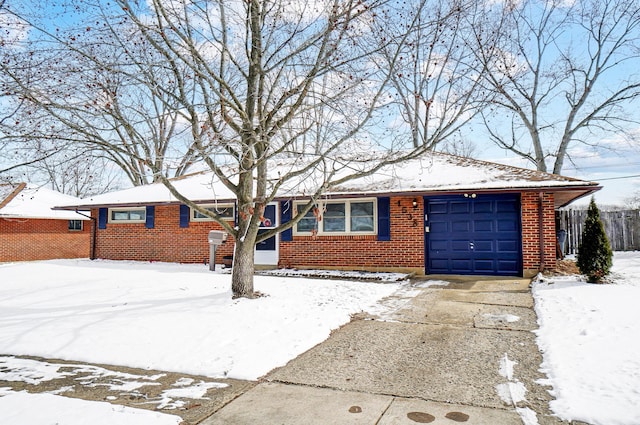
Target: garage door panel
[483,225]
[439,245]
[460,246]
[437,207]
[439,226]
[459,265]
[506,266]
[474,235]
[439,264]
[483,246]
[507,225]
[482,207]
[460,226]
[484,266]
[508,246]
[459,207]
[507,206]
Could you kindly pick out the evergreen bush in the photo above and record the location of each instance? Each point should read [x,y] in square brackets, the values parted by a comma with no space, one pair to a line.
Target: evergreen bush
[594,254]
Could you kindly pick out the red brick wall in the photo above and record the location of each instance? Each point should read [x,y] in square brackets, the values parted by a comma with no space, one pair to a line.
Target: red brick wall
[404,250]
[42,239]
[531,232]
[166,242]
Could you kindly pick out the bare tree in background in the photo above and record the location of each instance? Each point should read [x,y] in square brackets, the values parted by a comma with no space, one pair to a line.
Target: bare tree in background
[87,86]
[82,174]
[633,201]
[238,85]
[563,74]
[436,79]
[12,156]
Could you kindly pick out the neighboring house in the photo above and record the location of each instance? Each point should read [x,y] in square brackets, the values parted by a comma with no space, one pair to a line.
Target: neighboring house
[31,230]
[439,214]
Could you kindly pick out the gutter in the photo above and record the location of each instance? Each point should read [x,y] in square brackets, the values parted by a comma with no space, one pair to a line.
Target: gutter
[588,188]
[94,235]
[540,229]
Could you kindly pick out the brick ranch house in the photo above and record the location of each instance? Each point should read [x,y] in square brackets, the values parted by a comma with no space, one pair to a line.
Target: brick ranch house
[439,214]
[31,230]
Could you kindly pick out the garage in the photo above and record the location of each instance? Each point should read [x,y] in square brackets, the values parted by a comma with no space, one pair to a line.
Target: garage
[473,234]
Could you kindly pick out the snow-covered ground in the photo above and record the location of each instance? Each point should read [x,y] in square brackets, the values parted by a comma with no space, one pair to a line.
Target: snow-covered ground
[589,338]
[170,317]
[182,318]
[21,408]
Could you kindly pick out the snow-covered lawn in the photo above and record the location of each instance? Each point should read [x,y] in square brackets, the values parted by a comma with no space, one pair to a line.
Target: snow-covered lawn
[170,317]
[20,408]
[181,318]
[165,316]
[590,339]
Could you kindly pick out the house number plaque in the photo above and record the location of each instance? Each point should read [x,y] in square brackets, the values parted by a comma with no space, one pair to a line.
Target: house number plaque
[405,210]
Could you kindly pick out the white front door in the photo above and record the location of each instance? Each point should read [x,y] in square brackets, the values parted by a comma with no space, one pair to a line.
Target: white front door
[267,251]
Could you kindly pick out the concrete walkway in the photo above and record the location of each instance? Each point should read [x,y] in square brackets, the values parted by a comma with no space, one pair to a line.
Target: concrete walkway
[461,353]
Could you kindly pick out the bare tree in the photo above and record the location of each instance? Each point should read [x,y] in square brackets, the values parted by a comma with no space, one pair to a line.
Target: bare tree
[437,79]
[459,146]
[27,152]
[81,174]
[240,86]
[562,74]
[70,93]
[633,201]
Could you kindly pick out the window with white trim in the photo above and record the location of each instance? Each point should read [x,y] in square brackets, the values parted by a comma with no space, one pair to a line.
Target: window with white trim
[226,211]
[127,215]
[353,216]
[75,225]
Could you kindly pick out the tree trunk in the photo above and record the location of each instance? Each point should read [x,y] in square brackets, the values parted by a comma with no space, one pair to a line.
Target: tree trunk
[243,268]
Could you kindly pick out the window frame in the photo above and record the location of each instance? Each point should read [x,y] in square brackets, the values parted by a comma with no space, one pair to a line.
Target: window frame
[112,220]
[347,217]
[193,212]
[74,229]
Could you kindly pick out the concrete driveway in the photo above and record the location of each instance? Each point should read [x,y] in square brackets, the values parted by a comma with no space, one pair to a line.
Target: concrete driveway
[460,353]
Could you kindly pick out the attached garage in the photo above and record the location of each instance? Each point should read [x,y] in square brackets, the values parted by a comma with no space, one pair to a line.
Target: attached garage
[475,234]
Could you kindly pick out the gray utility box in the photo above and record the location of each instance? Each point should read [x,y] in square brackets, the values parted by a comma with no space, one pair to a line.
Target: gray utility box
[216,238]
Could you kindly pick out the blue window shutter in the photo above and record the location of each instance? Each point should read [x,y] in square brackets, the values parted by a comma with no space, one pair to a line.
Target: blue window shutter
[384,218]
[102,218]
[184,215]
[285,217]
[150,217]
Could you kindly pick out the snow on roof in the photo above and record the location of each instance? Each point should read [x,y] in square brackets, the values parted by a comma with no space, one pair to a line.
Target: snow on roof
[36,202]
[197,187]
[433,172]
[444,172]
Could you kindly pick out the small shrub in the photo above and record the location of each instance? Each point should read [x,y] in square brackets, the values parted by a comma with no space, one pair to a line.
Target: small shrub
[594,254]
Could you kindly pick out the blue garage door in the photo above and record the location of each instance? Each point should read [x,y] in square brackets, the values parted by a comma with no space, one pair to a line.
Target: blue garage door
[479,235]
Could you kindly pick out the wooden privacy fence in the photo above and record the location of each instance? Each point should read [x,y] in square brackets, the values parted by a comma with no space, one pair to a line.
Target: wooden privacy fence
[622,228]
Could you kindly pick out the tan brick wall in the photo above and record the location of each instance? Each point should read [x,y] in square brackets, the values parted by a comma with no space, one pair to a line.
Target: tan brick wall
[42,239]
